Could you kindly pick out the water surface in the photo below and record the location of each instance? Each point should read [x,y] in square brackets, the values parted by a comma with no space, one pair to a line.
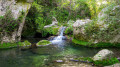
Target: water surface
[43,56]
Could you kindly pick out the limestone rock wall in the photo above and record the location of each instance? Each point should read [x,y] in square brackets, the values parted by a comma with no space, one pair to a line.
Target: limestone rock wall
[106,28]
[16,7]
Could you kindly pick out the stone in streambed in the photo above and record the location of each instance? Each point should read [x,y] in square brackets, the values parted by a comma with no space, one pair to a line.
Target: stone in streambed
[103,54]
[59,61]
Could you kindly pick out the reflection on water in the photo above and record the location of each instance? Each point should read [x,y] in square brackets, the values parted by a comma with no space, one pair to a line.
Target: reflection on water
[40,56]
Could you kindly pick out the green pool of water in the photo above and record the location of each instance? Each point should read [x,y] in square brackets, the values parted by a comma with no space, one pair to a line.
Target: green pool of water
[43,56]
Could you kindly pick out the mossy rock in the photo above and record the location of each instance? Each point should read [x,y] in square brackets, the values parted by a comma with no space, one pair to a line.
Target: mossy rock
[43,43]
[26,43]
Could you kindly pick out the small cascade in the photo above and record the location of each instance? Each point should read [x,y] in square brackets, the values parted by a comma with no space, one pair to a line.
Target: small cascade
[60,37]
[62,31]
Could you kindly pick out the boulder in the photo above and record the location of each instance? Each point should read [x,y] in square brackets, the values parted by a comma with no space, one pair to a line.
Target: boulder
[105,28]
[103,54]
[43,43]
[79,30]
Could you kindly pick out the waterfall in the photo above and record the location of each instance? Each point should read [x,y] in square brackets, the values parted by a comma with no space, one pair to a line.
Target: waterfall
[60,36]
[62,31]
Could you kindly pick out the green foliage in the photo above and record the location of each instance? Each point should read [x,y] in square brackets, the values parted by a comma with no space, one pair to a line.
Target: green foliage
[33,20]
[39,23]
[106,62]
[62,15]
[69,30]
[50,31]
[36,19]
[84,59]
[42,11]
[7,22]
[96,6]
[92,28]
[43,42]
[105,25]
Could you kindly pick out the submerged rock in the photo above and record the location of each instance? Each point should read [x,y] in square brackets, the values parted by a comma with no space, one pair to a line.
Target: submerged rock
[51,38]
[43,43]
[103,54]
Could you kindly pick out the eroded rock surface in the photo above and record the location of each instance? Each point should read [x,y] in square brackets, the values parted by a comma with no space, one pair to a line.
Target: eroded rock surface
[103,54]
[16,8]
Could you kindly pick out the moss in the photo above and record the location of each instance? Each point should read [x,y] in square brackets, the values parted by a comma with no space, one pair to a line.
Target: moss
[104,62]
[43,42]
[90,44]
[9,45]
[25,43]
[12,45]
[81,42]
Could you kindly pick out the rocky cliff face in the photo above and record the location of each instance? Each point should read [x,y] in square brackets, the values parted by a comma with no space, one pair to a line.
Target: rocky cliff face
[106,28]
[16,7]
